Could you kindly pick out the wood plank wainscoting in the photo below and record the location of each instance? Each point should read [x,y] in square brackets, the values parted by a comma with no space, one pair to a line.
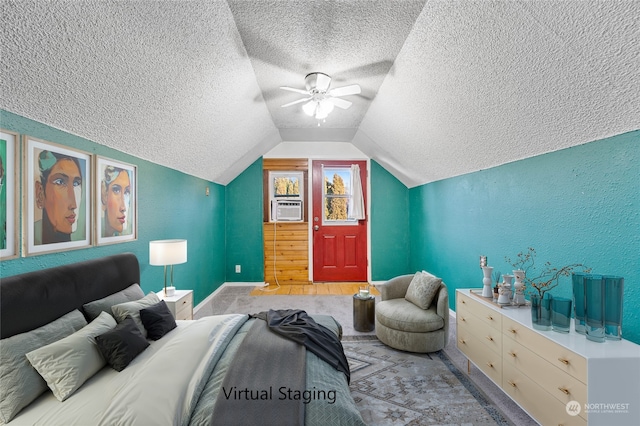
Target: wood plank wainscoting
[286,253]
[288,262]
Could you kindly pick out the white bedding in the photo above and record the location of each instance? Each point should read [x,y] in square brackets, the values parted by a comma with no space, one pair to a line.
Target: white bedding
[160,387]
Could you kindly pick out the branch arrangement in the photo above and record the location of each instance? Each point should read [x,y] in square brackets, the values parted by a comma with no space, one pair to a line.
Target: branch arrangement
[547,277]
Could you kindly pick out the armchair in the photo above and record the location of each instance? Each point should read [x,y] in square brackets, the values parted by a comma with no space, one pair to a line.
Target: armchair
[403,325]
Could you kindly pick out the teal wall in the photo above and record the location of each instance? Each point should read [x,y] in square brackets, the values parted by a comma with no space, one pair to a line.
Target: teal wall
[171,204]
[577,205]
[389,221]
[245,245]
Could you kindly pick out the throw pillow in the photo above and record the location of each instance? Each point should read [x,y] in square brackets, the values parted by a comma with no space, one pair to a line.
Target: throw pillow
[132,309]
[66,364]
[20,383]
[158,320]
[423,289]
[129,294]
[121,345]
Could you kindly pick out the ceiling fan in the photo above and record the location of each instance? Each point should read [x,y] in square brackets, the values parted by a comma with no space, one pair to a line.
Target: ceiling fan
[320,99]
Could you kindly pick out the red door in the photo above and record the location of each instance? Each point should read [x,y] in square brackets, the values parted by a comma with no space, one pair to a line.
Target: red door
[339,239]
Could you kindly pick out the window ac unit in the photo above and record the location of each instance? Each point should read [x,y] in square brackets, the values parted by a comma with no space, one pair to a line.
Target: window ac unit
[288,210]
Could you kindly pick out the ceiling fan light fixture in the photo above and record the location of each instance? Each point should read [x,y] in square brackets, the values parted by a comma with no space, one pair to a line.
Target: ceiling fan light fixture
[310,108]
[324,109]
[321,101]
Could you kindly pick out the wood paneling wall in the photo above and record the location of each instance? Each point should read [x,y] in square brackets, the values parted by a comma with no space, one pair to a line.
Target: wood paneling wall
[289,262]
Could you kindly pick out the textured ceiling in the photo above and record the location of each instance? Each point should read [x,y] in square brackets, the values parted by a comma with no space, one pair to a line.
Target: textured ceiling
[448,87]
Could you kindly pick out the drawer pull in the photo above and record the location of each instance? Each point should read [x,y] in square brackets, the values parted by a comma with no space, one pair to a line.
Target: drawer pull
[184,302]
[512,331]
[489,364]
[463,302]
[513,385]
[564,391]
[564,361]
[462,341]
[489,338]
[489,317]
[513,354]
[463,319]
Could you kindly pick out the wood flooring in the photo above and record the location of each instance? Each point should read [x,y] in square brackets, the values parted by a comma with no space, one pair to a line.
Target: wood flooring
[318,289]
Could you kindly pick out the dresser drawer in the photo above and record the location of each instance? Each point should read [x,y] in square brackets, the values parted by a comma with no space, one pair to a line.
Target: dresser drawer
[557,355]
[561,385]
[484,313]
[184,307]
[481,330]
[487,360]
[536,400]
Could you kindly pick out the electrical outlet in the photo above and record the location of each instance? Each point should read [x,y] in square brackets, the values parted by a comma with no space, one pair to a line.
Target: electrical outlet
[238,269]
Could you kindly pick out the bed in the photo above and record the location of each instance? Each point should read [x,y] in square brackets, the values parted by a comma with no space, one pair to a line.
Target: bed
[81,344]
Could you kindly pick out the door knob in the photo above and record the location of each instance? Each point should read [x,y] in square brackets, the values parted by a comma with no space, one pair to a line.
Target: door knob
[315,228]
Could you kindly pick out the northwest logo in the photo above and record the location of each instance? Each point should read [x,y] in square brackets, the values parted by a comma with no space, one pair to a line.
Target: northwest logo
[573,408]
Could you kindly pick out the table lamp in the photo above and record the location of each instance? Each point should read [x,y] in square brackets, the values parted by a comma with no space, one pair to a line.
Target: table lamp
[168,253]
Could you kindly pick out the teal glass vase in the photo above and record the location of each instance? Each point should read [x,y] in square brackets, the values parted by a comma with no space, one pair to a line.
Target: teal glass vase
[561,314]
[541,312]
[594,302]
[613,300]
[577,279]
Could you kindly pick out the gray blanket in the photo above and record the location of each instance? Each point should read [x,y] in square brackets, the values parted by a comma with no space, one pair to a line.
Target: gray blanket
[265,382]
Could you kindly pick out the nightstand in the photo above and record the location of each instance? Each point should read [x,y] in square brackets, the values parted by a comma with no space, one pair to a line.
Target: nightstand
[180,304]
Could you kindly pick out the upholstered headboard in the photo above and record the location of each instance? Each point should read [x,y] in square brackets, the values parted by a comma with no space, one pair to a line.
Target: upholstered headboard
[33,299]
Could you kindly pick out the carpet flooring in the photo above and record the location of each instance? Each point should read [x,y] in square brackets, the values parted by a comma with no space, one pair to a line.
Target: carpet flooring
[393,387]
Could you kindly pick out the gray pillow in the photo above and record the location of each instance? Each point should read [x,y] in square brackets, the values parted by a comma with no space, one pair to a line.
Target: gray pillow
[66,364]
[423,289]
[121,311]
[93,309]
[20,383]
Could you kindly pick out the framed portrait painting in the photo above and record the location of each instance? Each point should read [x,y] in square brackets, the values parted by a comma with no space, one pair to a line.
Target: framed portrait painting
[116,201]
[9,143]
[57,197]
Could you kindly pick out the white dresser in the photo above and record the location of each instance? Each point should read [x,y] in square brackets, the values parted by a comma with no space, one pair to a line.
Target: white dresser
[558,378]
[180,304]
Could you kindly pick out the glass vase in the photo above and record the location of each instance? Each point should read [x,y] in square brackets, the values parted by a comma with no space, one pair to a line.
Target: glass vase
[613,292]
[541,312]
[594,297]
[561,314]
[577,279]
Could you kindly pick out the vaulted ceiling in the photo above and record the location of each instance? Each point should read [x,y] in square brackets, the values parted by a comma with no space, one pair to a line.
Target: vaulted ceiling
[448,87]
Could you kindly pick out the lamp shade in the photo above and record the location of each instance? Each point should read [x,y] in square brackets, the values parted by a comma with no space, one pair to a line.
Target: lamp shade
[167,252]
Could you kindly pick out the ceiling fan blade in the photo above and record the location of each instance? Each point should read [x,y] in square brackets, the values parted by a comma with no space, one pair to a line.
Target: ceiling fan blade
[323,81]
[291,89]
[340,103]
[353,89]
[296,102]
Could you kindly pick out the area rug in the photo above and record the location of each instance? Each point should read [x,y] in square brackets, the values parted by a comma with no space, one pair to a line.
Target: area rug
[391,387]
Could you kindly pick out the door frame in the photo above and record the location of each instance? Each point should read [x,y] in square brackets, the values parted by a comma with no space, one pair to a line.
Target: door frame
[367,207]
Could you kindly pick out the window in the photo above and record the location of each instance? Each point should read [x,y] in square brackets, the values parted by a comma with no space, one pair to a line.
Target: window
[286,185]
[283,187]
[337,195]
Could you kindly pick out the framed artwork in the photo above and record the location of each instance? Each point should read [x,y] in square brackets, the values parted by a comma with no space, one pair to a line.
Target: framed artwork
[116,214]
[57,197]
[9,143]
